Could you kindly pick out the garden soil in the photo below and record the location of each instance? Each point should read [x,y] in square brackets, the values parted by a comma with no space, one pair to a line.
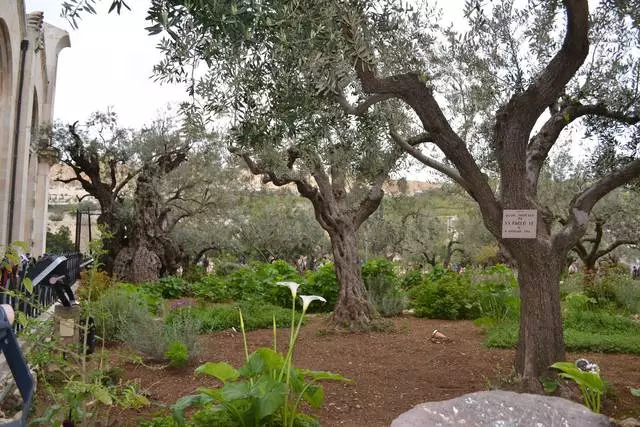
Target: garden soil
[392,371]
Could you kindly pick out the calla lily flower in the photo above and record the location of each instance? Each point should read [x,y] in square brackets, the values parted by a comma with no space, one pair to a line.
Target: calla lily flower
[293,286]
[308,299]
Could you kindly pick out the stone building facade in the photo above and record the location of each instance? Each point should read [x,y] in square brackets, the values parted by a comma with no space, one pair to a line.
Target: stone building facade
[29,50]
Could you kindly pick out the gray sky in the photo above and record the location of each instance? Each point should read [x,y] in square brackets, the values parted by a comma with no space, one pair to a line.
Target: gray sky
[109,64]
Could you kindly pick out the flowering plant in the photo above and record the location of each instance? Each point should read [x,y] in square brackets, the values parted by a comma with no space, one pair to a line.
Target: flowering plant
[267,389]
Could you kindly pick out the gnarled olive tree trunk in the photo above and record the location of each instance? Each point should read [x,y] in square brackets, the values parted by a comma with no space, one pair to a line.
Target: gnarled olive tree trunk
[353,309]
[340,219]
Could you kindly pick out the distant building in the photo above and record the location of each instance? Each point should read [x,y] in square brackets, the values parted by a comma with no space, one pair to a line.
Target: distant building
[29,50]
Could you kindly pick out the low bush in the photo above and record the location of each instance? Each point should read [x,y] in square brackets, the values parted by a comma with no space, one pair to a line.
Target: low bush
[445,295]
[586,327]
[152,300]
[496,290]
[411,279]
[178,354]
[152,337]
[383,287]
[168,287]
[225,316]
[628,294]
[194,273]
[211,288]
[115,311]
[323,282]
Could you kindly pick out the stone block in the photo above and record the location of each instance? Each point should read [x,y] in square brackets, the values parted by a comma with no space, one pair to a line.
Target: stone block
[501,408]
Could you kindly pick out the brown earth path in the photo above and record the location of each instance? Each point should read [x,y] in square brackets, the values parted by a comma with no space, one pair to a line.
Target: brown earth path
[393,371]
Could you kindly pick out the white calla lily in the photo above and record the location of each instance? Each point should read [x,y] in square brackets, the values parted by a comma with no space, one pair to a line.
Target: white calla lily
[308,299]
[293,286]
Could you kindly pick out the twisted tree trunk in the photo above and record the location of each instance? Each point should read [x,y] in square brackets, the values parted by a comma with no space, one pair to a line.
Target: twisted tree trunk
[353,309]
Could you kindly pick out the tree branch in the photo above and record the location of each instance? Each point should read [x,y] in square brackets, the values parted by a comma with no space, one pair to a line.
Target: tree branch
[614,245]
[362,108]
[581,206]
[526,107]
[540,145]
[428,161]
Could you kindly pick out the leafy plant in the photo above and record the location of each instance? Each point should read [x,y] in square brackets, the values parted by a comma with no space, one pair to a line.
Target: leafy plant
[116,311]
[324,282]
[382,285]
[591,385]
[178,354]
[153,336]
[445,295]
[168,287]
[267,389]
[411,279]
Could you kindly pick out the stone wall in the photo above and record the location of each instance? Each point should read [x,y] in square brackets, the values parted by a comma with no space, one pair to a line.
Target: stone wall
[29,50]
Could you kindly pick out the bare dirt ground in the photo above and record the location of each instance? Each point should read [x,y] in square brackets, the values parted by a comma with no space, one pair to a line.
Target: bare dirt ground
[393,371]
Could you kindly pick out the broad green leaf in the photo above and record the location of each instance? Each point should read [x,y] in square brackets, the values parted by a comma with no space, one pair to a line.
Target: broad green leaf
[270,394]
[635,391]
[314,396]
[254,366]
[213,393]
[235,391]
[28,284]
[186,402]
[273,360]
[221,370]
[324,376]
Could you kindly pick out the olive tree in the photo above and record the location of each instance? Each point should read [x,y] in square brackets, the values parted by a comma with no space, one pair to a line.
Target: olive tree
[499,94]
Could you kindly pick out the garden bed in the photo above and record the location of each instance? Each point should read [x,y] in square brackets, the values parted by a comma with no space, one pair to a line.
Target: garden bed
[393,371]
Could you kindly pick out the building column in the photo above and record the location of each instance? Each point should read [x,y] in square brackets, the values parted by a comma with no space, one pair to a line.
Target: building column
[47,157]
[32,182]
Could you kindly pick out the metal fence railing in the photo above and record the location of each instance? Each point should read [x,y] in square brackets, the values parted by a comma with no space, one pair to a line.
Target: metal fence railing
[12,287]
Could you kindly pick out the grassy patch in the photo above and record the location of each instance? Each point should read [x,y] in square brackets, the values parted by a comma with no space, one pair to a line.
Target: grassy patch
[587,330]
[225,316]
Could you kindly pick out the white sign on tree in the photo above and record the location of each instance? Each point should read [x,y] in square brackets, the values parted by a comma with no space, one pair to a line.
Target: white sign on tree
[519,223]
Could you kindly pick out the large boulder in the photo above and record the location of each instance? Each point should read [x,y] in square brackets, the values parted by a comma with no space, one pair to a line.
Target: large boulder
[501,408]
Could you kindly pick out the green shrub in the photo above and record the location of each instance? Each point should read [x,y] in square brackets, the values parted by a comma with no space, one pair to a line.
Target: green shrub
[445,295]
[169,287]
[323,282]
[383,288]
[211,288]
[185,329]
[116,310]
[153,336]
[572,282]
[393,302]
[194,273]
[225,316]
[178,354]
[628,294]
[411,279]
[496,291]
[153,301]
[584,330]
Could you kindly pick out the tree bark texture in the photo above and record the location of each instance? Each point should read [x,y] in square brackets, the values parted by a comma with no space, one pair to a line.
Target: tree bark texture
[353,309]
[540,341]
[150,252]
